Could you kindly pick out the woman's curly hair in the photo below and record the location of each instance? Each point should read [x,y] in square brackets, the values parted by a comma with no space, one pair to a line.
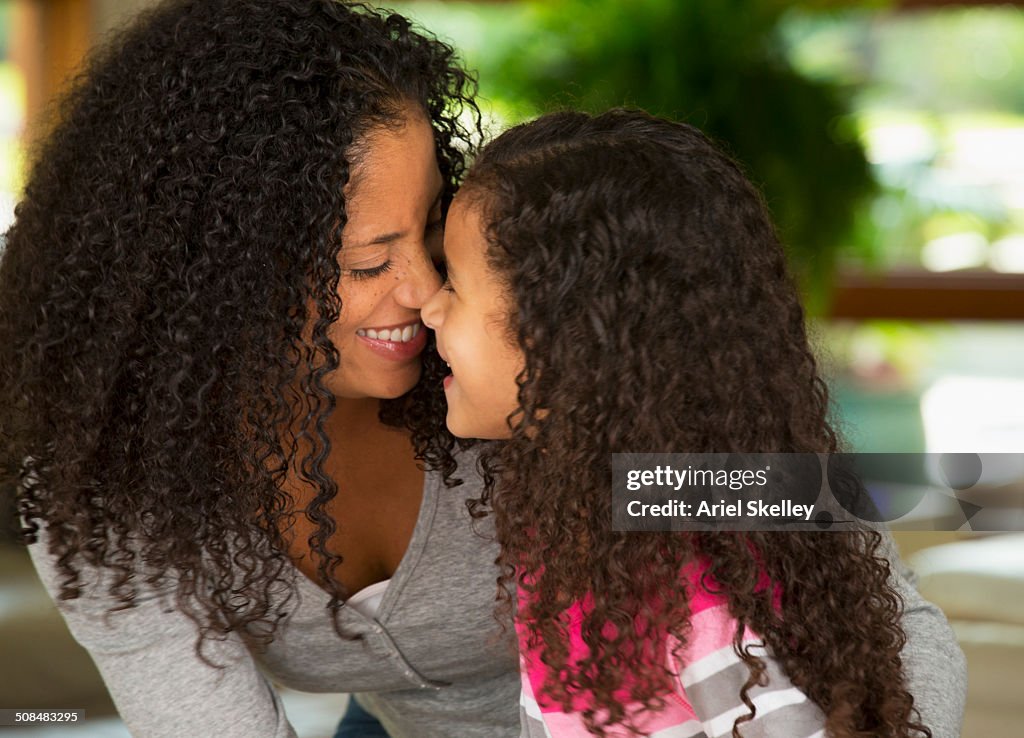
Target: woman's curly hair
[179,229]
[650,297]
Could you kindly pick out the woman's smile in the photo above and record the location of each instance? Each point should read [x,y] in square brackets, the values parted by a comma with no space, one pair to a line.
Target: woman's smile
[399,343]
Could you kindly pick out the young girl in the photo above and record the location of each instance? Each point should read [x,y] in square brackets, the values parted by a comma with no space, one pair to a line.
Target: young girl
[615,284]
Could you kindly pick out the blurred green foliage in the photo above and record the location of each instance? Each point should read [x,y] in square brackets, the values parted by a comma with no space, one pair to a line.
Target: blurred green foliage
[720,65]
[796,91]
[940,108]
[5,28]
[957,60]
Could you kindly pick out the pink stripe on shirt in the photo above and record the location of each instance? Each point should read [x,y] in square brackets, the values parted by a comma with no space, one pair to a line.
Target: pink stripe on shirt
[707,656]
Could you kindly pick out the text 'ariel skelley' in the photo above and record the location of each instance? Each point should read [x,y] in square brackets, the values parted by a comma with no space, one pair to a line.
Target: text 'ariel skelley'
[704,509]
[734,480]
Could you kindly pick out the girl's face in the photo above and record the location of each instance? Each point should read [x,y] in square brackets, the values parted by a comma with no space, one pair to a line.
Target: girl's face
[470,315]
[389,246]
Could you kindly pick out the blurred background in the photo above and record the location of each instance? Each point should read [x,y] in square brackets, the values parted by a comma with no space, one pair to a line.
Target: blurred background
[888,138]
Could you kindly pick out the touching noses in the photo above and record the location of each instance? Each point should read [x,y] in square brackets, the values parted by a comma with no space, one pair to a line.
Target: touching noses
[432,314]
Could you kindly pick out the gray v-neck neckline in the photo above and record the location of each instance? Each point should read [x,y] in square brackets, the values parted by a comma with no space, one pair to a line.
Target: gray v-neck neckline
[406,566]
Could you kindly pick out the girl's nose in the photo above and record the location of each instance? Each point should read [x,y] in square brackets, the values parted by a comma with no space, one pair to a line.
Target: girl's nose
[432,313]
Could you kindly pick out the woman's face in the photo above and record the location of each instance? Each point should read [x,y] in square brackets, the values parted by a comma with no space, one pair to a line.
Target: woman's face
[389,246]
[470,315]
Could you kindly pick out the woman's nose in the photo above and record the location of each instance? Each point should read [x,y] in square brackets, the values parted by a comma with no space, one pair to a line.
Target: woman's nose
[420,284]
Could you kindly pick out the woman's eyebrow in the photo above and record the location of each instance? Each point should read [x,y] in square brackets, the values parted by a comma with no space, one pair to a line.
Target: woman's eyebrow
[385,238]
[393,236]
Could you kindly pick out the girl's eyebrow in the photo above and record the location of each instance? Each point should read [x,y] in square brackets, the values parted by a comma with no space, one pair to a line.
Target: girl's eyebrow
[447,263]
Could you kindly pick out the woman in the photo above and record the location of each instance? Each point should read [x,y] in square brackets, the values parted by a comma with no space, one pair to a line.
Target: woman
[235,207]
[211,292]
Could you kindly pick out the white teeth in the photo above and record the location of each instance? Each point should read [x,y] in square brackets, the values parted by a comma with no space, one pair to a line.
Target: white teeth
[395,335]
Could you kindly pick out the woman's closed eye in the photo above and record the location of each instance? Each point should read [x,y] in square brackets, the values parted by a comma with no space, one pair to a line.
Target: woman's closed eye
[371,272]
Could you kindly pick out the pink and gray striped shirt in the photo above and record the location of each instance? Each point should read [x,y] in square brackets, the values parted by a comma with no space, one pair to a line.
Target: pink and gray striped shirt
[705,700]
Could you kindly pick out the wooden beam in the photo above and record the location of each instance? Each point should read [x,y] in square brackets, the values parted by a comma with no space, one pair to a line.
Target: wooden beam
[53,37]
[69,34]
[918,295]
[26,51]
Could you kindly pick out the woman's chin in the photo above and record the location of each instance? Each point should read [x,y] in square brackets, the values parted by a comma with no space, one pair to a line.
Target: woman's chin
[382,386]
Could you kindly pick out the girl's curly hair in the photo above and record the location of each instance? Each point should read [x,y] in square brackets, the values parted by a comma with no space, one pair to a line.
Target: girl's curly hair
[180,227]
[651,299]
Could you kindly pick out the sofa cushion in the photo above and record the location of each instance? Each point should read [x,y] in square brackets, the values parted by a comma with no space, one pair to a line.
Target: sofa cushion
[979,579]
